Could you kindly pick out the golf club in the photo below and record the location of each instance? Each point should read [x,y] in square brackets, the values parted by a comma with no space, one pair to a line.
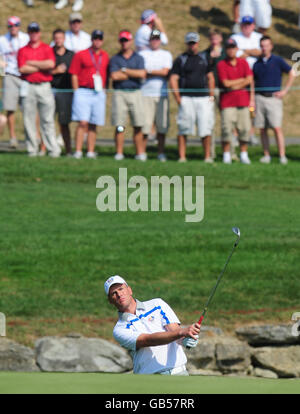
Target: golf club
[237,232]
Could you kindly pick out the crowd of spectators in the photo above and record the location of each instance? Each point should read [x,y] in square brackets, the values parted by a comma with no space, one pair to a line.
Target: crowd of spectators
[241,77]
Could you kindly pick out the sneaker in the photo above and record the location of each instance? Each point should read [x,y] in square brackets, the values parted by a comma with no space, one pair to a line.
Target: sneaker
[283,160]
[162,158]
[182,160]
[54,154]
[141,157]
[244,158]
[119,157]
[13,142]
[208,160]
[61,4]
[266,159]
[91,155]
[42,153]
[77,6]
[32,154]
[77,155]
[227,158]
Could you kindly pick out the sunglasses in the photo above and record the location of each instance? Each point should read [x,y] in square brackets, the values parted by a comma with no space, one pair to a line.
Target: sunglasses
[76,21]
[33,31]
[13,25]
[123,40]
[97,37]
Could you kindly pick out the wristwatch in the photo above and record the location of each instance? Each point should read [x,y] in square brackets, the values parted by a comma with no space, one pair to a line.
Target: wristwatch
[123,69]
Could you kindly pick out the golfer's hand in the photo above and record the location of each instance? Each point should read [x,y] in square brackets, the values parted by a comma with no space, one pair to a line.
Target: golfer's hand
[191,331]
[190,343]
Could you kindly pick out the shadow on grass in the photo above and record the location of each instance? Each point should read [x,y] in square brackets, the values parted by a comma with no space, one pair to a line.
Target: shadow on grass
[289,16]
[285,51]
[288,31]
[214,16]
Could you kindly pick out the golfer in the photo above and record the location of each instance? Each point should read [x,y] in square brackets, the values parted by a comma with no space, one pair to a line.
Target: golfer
[150,331]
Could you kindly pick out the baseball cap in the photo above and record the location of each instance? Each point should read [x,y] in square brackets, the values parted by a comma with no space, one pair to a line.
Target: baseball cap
[33,27]
[191,37]
[247,20]
[230,43]
[148,15]
[14,21]
[96,34]
[112,281]
[125,34]
[75,16]
[155,34]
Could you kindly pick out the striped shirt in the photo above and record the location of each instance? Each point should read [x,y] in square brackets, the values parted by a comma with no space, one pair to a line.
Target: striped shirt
[150,317]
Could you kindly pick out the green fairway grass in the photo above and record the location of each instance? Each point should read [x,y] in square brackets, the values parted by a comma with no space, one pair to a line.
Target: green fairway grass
[56,249]
[45,383]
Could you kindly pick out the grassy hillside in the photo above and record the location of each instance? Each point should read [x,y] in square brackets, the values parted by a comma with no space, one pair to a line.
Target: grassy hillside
[178,17]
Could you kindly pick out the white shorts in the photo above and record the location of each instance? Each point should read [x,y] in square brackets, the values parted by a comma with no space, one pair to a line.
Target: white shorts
[261,10]
[196,111]
[89,105]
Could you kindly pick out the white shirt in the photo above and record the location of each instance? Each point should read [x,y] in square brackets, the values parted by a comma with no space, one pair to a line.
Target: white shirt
[244,43]
[156,60]
[151,317]
[9,47]
[79,42]
[142,38]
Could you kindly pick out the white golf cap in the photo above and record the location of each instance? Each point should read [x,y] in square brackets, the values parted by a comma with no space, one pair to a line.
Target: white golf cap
[112,281]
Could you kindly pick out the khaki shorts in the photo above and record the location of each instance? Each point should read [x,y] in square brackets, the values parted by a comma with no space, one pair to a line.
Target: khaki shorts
[156,110]
[269,112]
[196,111]
[238,118]
[11,92]
[63,106]
[126,103]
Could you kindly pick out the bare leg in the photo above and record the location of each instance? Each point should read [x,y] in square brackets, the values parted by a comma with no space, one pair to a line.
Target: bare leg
[280,141]
[265,141]
[145,140]
[182,146]
[91,139]
[11,124]
[81,130]
[119,140]
[138,139]
[206,141]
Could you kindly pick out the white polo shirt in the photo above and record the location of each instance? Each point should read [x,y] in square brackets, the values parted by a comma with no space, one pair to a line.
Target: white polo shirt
[244,43]
[79,42]
[151,317]
[9,48]
[155,60]
[142,38]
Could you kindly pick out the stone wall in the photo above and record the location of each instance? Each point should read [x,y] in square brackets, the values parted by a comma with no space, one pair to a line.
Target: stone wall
[264,351]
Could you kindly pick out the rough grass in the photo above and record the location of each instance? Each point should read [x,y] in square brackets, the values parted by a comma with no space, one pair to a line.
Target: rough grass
[178,17]
[56,249]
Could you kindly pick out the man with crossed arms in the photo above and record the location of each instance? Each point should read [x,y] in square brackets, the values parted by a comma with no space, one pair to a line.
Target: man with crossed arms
[150,331]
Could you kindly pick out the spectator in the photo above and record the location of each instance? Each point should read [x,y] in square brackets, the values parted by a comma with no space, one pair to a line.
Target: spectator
[127,70]
[236,16]
[10,44]
[76,39]
[29,3]
[260,10]
[77,5]
[234,76]
[191,71]
[213,55]
[62,81]
[268,72]
[248,41]
[35,61]
[158,63]
[150,21]
[89,78]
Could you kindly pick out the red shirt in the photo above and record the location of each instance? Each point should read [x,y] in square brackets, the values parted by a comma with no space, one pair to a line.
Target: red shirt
[42,52]
[86,63]
[226,70]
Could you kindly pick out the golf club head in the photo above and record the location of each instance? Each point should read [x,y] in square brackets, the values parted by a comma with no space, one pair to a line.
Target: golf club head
[237,232]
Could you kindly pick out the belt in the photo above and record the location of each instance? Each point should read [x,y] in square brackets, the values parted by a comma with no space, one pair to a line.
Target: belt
[266,94]
[173,371]
[85,87]
[12,74]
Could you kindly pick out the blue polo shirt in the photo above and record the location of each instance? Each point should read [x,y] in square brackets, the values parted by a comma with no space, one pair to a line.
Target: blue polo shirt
[268,74]
[134,62]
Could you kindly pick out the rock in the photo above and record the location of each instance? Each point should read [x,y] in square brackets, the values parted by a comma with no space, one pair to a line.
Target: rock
[232,356]
[203,356]
[210,331]
[267,335]
[264,373]
[204,372]
[81,355]
[16,357]
[284,361]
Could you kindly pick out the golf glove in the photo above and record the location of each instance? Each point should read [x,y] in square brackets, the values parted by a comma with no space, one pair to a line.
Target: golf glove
[190,342]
